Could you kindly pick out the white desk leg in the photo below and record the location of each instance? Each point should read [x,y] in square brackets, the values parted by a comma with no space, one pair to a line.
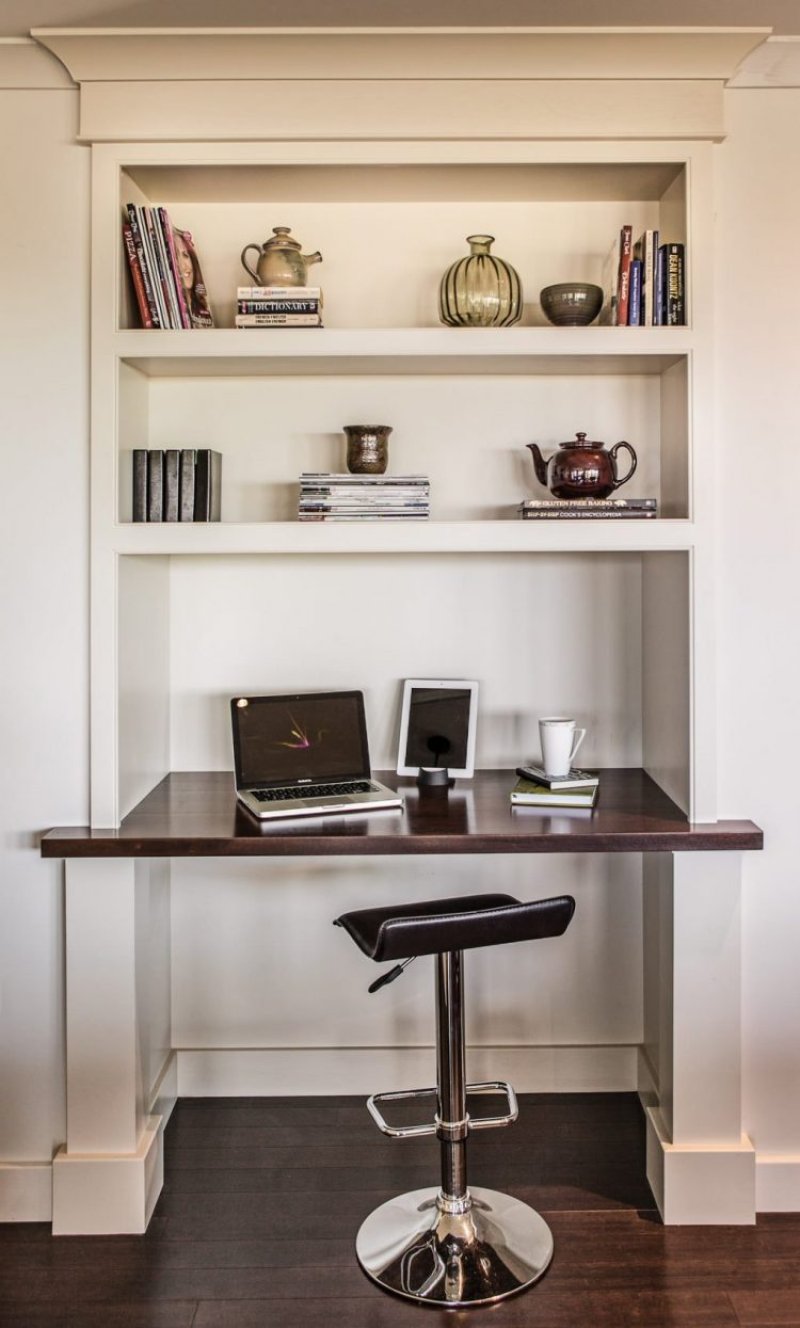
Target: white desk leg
[700,1166]
[108,1176]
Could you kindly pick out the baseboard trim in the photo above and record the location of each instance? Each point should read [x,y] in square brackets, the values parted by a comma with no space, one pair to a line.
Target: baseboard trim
[108,1194]
[693,1184]
[26,1191]
[243,1072]
[778,1182]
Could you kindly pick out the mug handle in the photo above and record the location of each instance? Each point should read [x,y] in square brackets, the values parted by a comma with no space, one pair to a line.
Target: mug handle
[613,454]
[580,734]
[248,269]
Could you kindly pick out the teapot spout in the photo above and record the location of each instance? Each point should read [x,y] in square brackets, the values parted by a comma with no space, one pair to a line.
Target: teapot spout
[308,259]
[538,463]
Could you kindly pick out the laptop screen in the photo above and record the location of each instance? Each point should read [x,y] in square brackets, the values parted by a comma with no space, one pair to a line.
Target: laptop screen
[310,736]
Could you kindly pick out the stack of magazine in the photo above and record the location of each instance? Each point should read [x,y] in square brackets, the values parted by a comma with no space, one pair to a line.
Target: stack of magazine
[345,497]
[165,270]
[533,509]
[534,788]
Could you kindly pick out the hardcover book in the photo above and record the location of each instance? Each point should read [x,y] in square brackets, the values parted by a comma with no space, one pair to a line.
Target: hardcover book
[171,480]
[676,285]
[188,463]
[207,485]
[155,485]
[527,793]
[624,274]
[139,484]
[635,296]
[575,779]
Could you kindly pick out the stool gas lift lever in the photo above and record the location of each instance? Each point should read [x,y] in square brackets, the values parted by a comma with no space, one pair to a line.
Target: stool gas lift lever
[391,976]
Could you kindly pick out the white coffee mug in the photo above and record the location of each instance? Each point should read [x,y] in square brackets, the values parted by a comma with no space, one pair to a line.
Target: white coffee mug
[560,741]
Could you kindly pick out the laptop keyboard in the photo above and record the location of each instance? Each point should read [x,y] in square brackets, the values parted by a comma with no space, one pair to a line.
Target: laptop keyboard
[313,791]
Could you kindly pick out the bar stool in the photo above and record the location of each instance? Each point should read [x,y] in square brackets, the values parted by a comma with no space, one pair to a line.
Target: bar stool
[453,1247]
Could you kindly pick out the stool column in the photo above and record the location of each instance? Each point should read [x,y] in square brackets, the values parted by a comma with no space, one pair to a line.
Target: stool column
[451,1120]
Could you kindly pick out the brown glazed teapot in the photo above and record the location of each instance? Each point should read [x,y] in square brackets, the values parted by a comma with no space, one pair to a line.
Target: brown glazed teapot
[581,469]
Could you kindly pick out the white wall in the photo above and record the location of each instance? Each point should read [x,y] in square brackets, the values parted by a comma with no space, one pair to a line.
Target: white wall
[44,248]
[44,240]
[759,699]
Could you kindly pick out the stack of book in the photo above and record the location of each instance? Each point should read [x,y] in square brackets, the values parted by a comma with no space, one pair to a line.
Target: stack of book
[645,281]
[176,484]
[536,789]
[278,306]
[331,497]
[164,269]
[538,509]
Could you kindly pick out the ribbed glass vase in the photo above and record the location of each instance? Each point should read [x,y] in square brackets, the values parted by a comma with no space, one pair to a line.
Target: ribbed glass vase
[480,290]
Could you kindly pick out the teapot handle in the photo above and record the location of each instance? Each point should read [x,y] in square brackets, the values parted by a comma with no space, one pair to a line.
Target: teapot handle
[613,454]
[246,265]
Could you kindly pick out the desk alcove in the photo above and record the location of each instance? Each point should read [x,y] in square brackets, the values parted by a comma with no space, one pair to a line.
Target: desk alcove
[125,1067]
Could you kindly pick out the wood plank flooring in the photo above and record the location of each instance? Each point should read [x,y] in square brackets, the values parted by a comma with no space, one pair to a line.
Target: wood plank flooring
[263,1196]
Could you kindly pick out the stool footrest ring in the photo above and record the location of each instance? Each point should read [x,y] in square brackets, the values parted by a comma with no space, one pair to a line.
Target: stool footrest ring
[470,1124]
[493,1122]
[400,1131]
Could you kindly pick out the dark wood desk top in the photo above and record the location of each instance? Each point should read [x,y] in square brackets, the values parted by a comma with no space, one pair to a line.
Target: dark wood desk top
[195,814]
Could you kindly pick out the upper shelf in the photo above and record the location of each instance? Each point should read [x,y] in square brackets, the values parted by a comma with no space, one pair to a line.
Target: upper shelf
[231,353]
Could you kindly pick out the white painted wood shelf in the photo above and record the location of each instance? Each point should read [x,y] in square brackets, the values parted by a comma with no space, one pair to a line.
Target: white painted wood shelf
[403,537]
[229,352]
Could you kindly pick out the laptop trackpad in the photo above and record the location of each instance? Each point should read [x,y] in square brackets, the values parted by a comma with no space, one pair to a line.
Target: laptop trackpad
[328,802]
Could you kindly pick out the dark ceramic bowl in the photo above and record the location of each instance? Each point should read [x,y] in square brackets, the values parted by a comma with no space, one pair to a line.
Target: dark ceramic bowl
[571,303]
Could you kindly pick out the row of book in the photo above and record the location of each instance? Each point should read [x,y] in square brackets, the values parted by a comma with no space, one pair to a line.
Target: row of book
[548,509]
[535,788]
[165,271]
[278,306]
[646,281]
[176,484]
[345,497]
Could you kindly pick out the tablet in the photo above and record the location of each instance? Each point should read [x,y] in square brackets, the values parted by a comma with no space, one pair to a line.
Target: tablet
[438,726]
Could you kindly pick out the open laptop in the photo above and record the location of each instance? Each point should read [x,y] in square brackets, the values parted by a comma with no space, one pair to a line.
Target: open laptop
[304,755]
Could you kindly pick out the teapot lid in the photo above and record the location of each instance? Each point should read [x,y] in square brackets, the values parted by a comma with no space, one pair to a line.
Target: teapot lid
[281,239]
[580,441]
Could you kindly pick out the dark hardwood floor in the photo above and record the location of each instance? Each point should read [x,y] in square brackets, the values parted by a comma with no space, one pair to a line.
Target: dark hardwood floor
[262,1199]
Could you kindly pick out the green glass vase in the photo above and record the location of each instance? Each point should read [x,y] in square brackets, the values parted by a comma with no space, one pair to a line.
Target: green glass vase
[480,290]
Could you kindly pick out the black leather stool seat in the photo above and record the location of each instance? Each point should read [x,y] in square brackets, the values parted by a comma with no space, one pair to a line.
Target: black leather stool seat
[438,925]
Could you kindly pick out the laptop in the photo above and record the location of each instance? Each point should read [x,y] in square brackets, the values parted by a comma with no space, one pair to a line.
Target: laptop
[304,755]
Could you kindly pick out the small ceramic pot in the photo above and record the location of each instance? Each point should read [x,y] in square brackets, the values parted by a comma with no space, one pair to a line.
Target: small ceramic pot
[367,448]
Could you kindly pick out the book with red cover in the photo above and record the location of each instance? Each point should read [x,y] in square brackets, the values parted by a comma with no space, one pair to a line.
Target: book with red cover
[624,278]
[137,280]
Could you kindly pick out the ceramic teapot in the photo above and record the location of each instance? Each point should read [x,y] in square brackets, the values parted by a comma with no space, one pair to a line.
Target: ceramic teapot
[279,261]
[581,469]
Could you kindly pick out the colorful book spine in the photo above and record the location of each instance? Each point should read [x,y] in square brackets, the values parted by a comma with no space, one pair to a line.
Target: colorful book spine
[144,266]
[635,298]
[660,299]
[278,306]
[137,280]
[172,260]
[279,293]
[676,285]
[151,248]
[278,320]
[648,250]
[624,276]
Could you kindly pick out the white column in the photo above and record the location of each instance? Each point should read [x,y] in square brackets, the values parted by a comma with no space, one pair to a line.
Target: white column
[700,1165]
[107,1177]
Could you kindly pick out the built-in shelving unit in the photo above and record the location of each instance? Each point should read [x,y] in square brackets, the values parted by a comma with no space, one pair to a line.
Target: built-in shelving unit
[389,217]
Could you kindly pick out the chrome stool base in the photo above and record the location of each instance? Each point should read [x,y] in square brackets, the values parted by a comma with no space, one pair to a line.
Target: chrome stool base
[415,1248]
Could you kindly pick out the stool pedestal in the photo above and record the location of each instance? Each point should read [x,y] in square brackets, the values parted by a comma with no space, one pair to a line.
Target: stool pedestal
[456,1247]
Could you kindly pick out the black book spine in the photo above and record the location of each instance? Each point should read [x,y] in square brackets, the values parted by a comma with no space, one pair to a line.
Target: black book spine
[155,485]
[139,512]
[188,463]
[171,457]
[207,491]
[676,285]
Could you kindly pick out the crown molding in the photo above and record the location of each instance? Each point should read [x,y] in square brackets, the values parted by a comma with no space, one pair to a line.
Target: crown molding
[545,53]
[26,64]
[774,64]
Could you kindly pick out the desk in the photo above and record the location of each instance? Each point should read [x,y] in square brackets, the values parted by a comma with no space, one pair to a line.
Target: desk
[700,1166]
